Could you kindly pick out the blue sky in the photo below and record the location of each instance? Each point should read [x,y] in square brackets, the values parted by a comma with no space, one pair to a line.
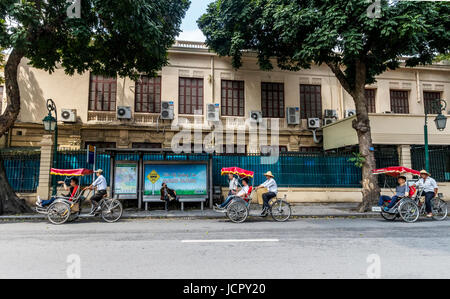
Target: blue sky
[189,25]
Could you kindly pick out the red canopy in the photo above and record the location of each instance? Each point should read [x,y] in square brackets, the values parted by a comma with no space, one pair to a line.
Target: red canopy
[395,171]
[239,171]
[71,172]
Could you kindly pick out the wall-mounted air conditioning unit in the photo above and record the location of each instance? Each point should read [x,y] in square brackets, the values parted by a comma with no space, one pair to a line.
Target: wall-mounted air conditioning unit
[350,113]
[167,110]
[213,112]
[293,115]
[123,112]
[256,116]
[313,123]
[330,113]
[69,115]
[329,121]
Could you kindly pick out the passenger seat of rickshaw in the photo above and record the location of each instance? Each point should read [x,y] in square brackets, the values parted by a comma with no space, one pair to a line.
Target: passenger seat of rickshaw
[247,197]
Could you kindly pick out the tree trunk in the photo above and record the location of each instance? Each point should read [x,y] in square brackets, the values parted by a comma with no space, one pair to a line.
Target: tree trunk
[9,202]
[370,189]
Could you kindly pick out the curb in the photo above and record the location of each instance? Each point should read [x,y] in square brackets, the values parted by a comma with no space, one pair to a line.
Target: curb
[33,217]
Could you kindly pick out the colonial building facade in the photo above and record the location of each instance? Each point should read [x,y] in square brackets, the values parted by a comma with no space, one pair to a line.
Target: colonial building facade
[122,113]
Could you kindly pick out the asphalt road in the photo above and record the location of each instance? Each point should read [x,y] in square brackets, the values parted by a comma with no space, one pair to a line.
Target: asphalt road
[302,248]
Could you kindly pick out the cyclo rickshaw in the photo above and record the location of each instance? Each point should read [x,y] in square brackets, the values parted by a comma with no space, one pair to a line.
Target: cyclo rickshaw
[238,209]
[67,209]
[410,207]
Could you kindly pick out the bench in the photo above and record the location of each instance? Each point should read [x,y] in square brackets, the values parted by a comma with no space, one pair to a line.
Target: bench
[194,198]
[181,199]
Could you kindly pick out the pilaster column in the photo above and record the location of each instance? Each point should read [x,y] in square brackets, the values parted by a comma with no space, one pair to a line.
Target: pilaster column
[404,155]
[43,189]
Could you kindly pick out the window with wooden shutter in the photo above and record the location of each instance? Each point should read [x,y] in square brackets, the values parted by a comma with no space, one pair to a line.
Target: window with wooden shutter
[370,97]
[310,101]
[399,101]
[190,95]
[272,100]
[147,97]
[233,99]
[430,97]
[102,93]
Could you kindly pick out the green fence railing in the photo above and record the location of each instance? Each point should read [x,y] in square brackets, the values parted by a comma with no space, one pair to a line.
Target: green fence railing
[439,161]
[22,169]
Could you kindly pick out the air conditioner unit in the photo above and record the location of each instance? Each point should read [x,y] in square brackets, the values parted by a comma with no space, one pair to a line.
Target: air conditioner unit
[167,110]
[329,121]
[123,112]
[293,115]
[330,113]
[256,116]
[313,123]
[213,111]
[349,113]
[69,115]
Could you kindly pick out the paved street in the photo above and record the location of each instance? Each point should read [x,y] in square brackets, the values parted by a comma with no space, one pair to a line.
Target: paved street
[301,248]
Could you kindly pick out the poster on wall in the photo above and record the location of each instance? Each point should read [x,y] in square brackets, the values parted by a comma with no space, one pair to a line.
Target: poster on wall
[125,178]
[185,179]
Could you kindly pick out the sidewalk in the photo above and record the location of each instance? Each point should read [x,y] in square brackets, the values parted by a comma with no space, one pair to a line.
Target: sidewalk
[300,210]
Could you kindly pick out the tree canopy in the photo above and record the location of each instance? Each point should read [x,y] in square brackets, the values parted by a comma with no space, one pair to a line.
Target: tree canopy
[336,32]
[112,37]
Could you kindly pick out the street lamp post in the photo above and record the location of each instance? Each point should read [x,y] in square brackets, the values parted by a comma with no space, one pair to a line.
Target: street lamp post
[51,125]
[440,121]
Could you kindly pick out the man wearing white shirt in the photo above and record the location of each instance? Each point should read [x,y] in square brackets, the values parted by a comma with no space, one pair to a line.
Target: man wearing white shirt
[100,185]
[430,189]
[271,185]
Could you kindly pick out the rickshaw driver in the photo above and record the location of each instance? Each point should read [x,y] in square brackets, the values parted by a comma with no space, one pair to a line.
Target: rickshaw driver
[402,190]
[100,185]
[430,190]
[272,188]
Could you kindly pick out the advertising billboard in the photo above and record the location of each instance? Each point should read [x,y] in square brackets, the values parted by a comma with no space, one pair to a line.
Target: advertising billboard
[185,179]
[125,178]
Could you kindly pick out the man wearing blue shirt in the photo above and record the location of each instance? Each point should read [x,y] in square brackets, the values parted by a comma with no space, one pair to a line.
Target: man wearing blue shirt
[100,185]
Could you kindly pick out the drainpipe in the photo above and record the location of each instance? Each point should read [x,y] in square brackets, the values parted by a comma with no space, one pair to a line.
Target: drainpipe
[212,80]
[419,99]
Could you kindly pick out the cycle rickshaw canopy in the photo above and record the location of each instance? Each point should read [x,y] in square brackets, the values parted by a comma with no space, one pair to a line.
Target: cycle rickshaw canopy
[242,173]
[395,171]
[71,172]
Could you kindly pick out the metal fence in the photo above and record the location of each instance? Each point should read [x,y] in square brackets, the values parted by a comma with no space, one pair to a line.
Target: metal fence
[294,169]
[439,161]
[386,156]
[74,159]
[22,169]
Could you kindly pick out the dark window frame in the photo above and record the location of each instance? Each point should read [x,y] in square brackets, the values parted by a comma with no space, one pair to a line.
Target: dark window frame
[142,92]
[272,100]
[234,102]
[399,101]
[184,89]
[309,107]
[428,97]
[370,95]
[97,81]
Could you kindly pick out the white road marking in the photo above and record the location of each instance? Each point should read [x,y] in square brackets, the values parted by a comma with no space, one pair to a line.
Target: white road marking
[230,241]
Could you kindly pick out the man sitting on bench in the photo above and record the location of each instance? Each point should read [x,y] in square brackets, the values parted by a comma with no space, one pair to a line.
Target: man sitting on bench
[167,195]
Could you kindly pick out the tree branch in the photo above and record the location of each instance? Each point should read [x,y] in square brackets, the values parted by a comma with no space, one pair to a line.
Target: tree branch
[340,76]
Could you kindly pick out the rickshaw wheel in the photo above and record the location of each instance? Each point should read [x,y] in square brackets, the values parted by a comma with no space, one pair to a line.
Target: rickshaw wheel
[58,213]
[409,211]
[439,209]
[389,216]
[237,211]
[281,211]
[111,210]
